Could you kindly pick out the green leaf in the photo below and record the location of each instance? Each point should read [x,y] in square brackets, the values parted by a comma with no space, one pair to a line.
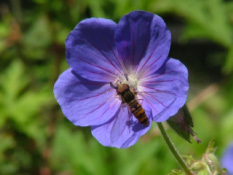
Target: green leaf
[4,33]
[82,158]
[20,104]
[182,123]
[96,8]
[206,19]
[37,39]
[177,172]
[226,128]
[228,67]
[130,163]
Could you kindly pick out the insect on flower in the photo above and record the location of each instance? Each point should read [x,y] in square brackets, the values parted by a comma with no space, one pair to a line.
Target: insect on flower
[121,77]
[128,96]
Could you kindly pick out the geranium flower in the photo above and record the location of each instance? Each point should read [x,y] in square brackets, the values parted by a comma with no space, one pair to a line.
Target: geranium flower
[103,54]
[227,159]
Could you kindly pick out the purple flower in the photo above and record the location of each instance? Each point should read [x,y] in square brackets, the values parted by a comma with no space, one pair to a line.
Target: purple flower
[227,159]
[103,55]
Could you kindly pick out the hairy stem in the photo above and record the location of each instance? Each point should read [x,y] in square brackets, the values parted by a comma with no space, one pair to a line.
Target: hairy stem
[173,149]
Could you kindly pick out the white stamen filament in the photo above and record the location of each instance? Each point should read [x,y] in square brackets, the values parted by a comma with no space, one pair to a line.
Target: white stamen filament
[131,80]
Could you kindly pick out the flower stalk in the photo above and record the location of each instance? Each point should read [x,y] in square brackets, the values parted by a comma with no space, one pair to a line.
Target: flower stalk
[173,149]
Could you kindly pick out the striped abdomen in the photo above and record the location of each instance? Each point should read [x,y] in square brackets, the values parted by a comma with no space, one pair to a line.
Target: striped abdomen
[138,112]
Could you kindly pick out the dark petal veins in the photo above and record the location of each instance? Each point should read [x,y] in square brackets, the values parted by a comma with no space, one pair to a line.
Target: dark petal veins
[143,41]
[122,131]
[85,102]
[91,50]
[166,90]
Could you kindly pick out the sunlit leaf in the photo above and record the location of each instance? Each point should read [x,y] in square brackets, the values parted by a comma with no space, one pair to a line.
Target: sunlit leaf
[228,67]
[17,103]
[82,158]
[38,38]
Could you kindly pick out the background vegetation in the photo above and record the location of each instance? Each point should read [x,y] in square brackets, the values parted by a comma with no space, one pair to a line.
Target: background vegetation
[36,138]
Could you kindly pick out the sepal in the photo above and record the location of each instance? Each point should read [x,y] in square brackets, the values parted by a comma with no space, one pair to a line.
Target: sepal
[182,124]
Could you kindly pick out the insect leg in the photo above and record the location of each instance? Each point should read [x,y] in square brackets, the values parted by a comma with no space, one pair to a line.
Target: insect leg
[126,77]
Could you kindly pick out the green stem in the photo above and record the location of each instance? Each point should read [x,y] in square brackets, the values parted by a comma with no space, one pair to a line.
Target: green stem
[173,149]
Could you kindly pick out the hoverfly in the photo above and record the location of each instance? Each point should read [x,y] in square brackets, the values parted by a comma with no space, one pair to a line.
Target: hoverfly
[128,96]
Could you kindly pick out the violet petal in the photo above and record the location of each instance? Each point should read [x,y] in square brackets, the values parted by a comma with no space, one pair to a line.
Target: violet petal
[91,51]
[227,159]
[122,131]
[165,91]
[143,41]
[85,102]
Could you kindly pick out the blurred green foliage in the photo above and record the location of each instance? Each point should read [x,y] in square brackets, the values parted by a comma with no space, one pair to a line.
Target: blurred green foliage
[35,136]
[207,165]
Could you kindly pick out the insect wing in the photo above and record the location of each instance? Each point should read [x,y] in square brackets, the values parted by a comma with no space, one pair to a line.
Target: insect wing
[159,101]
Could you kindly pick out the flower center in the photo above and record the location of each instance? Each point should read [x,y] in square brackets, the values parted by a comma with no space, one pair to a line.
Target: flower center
[131,80]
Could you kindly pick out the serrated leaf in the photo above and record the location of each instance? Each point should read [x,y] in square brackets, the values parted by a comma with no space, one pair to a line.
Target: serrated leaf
[19,104]
[206,19]
[13,81]
[131,162]
[82,158]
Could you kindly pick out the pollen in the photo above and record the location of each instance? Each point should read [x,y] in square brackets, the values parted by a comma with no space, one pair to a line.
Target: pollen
[131,80]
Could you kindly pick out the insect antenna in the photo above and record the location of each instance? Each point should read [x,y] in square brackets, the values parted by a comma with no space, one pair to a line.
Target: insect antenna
[113,86]
[126,77]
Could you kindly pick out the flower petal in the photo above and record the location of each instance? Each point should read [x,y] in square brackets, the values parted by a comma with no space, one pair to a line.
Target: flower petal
[122,131]
[91,51]
[227,159]
[85,102]
[166,90]
[143,41]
